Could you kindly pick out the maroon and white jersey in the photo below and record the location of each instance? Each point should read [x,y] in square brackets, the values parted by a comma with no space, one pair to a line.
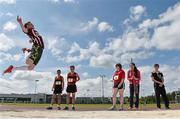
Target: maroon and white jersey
[35,37]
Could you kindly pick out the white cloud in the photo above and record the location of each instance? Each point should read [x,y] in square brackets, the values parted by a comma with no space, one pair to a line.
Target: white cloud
[104,26]
[9,26]
[137,43]
[5,42]
[24,82]
[83,53]
[95,24]
[165,32]
[57,46]
[104,60]
[9,14]
[137,12]
[167,37]
[7,1]
[85,75]
[90,25]
[9,57]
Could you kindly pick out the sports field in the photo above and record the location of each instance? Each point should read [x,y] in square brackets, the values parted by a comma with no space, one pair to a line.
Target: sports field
[84,111]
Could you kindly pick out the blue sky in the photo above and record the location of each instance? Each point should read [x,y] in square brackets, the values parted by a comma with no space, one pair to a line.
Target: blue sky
[93,35]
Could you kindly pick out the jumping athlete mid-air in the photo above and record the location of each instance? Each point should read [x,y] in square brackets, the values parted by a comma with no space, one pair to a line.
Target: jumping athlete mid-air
[36,50]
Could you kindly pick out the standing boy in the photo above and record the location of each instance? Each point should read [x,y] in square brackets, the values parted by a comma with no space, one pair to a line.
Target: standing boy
[72,78]
[158,79]
[57,89]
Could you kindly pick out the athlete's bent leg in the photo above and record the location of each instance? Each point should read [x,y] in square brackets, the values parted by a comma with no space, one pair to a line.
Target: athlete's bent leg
[30,65]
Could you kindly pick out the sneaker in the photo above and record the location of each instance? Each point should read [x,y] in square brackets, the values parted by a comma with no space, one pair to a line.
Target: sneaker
[121,109]
[73,108]
[8,70]
[66,108]
[49,108]
[113,108]
[59,108]
[167,108]
[130,108]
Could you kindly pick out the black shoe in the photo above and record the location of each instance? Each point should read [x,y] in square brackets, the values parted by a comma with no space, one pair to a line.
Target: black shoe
[121,109]
[59,108]
[49,108]
[66,108]
[112,108]
[73,108]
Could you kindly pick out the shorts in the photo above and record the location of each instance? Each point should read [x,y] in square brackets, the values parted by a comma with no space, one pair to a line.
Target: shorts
[121,87]
[57,90]
[36,53]
[71,89]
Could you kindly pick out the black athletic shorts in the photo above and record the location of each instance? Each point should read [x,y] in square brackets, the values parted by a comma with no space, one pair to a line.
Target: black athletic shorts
[57,90]
[121,87]
[36,53]
[71,89]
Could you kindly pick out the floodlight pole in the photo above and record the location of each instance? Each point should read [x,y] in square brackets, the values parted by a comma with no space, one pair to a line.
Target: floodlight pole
[102,86]
[35,90]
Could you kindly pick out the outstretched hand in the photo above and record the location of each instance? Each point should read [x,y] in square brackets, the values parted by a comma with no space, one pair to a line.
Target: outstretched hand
[25,50]
[19,19]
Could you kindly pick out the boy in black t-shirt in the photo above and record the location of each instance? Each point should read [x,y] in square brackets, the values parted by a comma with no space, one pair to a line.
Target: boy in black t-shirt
[159,87]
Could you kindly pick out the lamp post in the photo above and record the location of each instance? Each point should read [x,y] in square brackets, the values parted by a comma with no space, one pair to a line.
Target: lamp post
[102,86]
[35,90]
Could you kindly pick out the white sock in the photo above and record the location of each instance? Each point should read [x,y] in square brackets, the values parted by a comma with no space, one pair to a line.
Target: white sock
[21,68]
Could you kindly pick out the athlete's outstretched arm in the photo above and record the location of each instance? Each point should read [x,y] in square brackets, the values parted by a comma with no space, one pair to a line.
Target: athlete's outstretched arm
[19,20]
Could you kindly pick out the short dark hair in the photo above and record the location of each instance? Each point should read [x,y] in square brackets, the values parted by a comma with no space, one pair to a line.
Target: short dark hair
[156,65]
[72,66]
[25,25]
[58,70]
[119,65]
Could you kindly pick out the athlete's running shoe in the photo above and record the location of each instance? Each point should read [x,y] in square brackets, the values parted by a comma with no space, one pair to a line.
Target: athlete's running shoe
[167,108]
[59,108]
[49,108]
[73,108]
[8,70]
[130,108]
[66,108]
[121,109]
[113,108]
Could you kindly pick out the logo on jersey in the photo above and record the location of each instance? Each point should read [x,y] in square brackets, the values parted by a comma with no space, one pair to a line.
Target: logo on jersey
[58,82]
[116,77]
[70,80]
